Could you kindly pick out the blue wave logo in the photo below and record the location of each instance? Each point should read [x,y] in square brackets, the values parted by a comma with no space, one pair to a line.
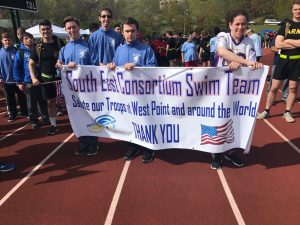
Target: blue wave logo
[106,121]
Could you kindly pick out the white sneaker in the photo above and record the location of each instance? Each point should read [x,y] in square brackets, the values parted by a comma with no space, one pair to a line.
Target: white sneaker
[288,117]
[263,115]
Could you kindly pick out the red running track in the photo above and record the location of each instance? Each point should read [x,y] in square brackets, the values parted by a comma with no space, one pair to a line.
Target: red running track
[177,188]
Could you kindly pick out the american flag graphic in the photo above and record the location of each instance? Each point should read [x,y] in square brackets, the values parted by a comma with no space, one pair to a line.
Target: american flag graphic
[217,135]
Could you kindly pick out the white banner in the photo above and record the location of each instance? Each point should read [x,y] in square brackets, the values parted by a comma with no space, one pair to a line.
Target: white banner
[206,109]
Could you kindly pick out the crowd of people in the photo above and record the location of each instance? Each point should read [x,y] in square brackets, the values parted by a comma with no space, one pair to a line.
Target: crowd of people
[31,70]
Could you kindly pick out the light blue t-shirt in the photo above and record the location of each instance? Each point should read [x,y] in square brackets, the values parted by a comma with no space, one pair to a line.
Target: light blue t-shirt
[189,51]
[213,44]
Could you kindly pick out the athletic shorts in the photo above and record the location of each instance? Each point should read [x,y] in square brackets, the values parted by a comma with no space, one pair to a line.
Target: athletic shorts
[287,69]
[171,55]
[48,90]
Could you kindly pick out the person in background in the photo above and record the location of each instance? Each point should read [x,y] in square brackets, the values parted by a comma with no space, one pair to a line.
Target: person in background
[171,49]
[45,56]
[257,43]
[117,28]
[104,42]
[189,52]
[213,46]
[7,57]
[134,53]
[24,82]
[234,50]
[288,65]
[204,52]
[285,86]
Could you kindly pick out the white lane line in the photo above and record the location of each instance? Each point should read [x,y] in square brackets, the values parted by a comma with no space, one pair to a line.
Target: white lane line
[234,207]
[2,99]
[282,136]
[14,132]
[2,112]
[114,203]
[18,185]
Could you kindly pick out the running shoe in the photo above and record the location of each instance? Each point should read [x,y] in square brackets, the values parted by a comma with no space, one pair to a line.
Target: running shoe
[288,117]
[263,115]
[234,160]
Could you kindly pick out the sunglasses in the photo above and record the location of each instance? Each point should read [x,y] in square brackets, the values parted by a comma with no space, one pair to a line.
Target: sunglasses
[106,16]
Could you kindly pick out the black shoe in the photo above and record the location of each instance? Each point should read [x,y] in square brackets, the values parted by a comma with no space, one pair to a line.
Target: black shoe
[34,126]
[22,114]
[235,161]
[11,118]
[148,156]
[45,120]
[216,163]
[52,130]
[92,150]
[131,153]
[81,150]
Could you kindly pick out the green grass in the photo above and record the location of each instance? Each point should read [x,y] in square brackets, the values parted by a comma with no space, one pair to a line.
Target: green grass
[259,27]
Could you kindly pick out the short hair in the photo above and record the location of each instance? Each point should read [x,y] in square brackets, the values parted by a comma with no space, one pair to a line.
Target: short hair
[45,23]
[70,19]
[131,21]
[117,25]
[296,2]
[93,27]
[6,35]
[21,30]
[26,34]
[169,32]
[105,9]
[235,13]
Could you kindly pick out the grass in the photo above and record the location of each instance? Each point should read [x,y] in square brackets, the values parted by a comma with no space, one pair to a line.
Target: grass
[259,27]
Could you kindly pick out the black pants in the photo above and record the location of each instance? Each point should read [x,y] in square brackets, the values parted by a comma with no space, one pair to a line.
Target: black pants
[86,141]
[11,91]
[35,99]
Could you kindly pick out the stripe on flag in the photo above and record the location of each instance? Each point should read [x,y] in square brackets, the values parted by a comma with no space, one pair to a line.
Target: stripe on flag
[217,135]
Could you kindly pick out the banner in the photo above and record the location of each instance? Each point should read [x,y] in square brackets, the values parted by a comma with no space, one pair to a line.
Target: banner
[206,109]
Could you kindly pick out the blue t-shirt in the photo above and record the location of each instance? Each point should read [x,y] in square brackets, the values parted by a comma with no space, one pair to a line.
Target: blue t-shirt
[103,45]
[189,51]
[213,44]
[75,51]
[136,52]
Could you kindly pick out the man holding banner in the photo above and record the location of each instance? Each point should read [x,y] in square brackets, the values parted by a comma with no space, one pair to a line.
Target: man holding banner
[76,52]
[134,53]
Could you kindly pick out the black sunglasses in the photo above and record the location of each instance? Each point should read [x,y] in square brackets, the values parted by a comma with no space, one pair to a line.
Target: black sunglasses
[106,16]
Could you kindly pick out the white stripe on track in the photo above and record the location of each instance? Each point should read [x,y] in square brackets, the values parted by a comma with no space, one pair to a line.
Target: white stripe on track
[282,136]
[14,132]
[114,203]
[234,207]
[2,99]
[18,185]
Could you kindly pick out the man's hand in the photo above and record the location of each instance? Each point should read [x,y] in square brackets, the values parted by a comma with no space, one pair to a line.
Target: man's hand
[59,64]
[35,82]
[72,65]
[129,66]
[111,66]
[22,87]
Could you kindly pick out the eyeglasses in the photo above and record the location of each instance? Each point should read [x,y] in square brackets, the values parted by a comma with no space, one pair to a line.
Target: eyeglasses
[106,16]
